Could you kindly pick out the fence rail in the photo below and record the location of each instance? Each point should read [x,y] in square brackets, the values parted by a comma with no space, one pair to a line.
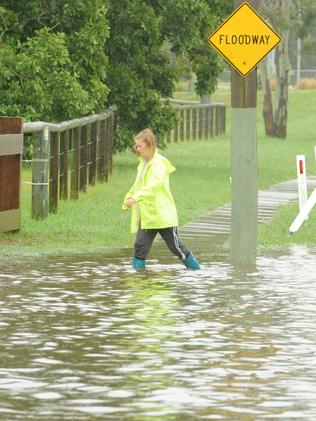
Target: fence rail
[198,121]
[67,157]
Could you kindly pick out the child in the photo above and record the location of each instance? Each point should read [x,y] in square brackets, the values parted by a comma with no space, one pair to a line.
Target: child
[152,204]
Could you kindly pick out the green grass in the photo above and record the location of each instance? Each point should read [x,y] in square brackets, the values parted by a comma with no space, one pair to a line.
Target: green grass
[96,220]
[201,183]
[276,232]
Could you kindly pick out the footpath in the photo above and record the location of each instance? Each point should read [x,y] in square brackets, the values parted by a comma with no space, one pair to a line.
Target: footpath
[217,222]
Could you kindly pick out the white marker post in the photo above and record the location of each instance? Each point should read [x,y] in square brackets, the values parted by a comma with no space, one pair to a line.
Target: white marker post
[303,214]
[301,180]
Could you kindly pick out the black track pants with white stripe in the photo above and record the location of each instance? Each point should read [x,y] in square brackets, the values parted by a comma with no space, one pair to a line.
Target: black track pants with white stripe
[145,238]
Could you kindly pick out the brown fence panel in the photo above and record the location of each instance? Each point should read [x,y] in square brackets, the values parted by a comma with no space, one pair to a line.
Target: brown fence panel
[198,121]
[11,145]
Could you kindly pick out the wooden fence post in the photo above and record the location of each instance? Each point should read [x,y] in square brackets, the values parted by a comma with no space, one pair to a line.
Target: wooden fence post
[63,176]
[200,129]
[223,114]
[194,123]
[176,130]
[40,176]
[168,137]
[182,125]
[211,121]
[206,122]
[53,172]
[93,154]
[188,124]
[217,115]
[83,158]
[110,140]
[102,143]
[107,123]
[113,122]
[74,189]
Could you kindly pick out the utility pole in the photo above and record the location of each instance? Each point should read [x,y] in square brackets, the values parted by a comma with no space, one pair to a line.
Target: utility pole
[244,167]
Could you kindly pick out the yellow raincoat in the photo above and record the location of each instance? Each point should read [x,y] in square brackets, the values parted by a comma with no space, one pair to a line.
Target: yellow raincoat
[155,207]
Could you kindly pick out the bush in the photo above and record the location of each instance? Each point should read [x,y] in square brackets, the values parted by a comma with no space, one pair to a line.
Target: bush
[307,83]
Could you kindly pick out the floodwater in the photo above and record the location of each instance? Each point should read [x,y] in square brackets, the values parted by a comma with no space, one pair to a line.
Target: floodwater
[87,338]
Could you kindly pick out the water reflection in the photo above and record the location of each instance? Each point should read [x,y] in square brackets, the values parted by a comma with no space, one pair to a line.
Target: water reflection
[88,338]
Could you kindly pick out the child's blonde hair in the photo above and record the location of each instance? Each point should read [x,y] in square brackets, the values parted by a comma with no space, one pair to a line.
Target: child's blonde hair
[148,137]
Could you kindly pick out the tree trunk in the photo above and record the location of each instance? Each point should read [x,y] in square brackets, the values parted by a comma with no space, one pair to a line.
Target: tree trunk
[282,69]
[267,100]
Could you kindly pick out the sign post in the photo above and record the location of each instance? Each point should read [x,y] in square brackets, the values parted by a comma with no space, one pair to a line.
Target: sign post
[244,39]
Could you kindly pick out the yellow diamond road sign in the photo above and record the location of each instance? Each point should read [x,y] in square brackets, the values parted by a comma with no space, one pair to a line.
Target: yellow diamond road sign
[244,39]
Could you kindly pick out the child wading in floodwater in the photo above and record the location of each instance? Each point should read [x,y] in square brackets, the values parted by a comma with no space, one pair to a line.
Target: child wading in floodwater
[152,204]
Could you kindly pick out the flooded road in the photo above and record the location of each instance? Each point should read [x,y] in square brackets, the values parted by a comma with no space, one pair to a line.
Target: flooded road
[86,337]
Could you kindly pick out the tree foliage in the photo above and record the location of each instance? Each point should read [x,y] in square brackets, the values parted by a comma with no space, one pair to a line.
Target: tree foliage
[52,63]
[143,36]
[293,19]
[67,58]
[303,19]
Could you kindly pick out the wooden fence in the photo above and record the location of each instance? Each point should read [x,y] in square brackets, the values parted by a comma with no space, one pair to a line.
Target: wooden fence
[198,121]
[67,157]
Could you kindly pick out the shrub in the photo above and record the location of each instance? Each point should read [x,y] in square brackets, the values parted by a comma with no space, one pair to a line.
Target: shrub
[306,83]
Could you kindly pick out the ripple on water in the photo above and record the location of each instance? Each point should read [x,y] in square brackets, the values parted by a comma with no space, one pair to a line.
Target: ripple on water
[92,337]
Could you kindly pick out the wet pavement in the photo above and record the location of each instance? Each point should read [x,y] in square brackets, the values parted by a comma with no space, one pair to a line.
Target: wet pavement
[87,337]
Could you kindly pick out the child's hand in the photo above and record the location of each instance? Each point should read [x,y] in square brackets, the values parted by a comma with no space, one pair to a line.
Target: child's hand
[130,202]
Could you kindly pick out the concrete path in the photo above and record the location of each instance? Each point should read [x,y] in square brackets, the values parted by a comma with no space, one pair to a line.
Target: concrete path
[217,222]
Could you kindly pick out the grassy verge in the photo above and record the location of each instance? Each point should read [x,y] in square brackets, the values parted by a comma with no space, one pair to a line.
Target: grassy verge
[96,220]
[276,232]
[277,160]
[200,183]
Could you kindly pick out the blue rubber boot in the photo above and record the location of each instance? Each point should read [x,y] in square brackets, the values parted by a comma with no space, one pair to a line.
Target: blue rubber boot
[138,263]
[191,262]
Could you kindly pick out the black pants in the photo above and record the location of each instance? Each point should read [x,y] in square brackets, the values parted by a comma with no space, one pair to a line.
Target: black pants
[145,238]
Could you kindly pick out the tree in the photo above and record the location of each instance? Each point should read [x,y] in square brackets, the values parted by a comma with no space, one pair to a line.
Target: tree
[140,73]
[52,59]
[300,16]
[278,13]
[303,35]
[67,58]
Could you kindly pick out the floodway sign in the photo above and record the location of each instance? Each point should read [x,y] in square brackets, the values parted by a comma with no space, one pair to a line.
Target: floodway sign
[244,39]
